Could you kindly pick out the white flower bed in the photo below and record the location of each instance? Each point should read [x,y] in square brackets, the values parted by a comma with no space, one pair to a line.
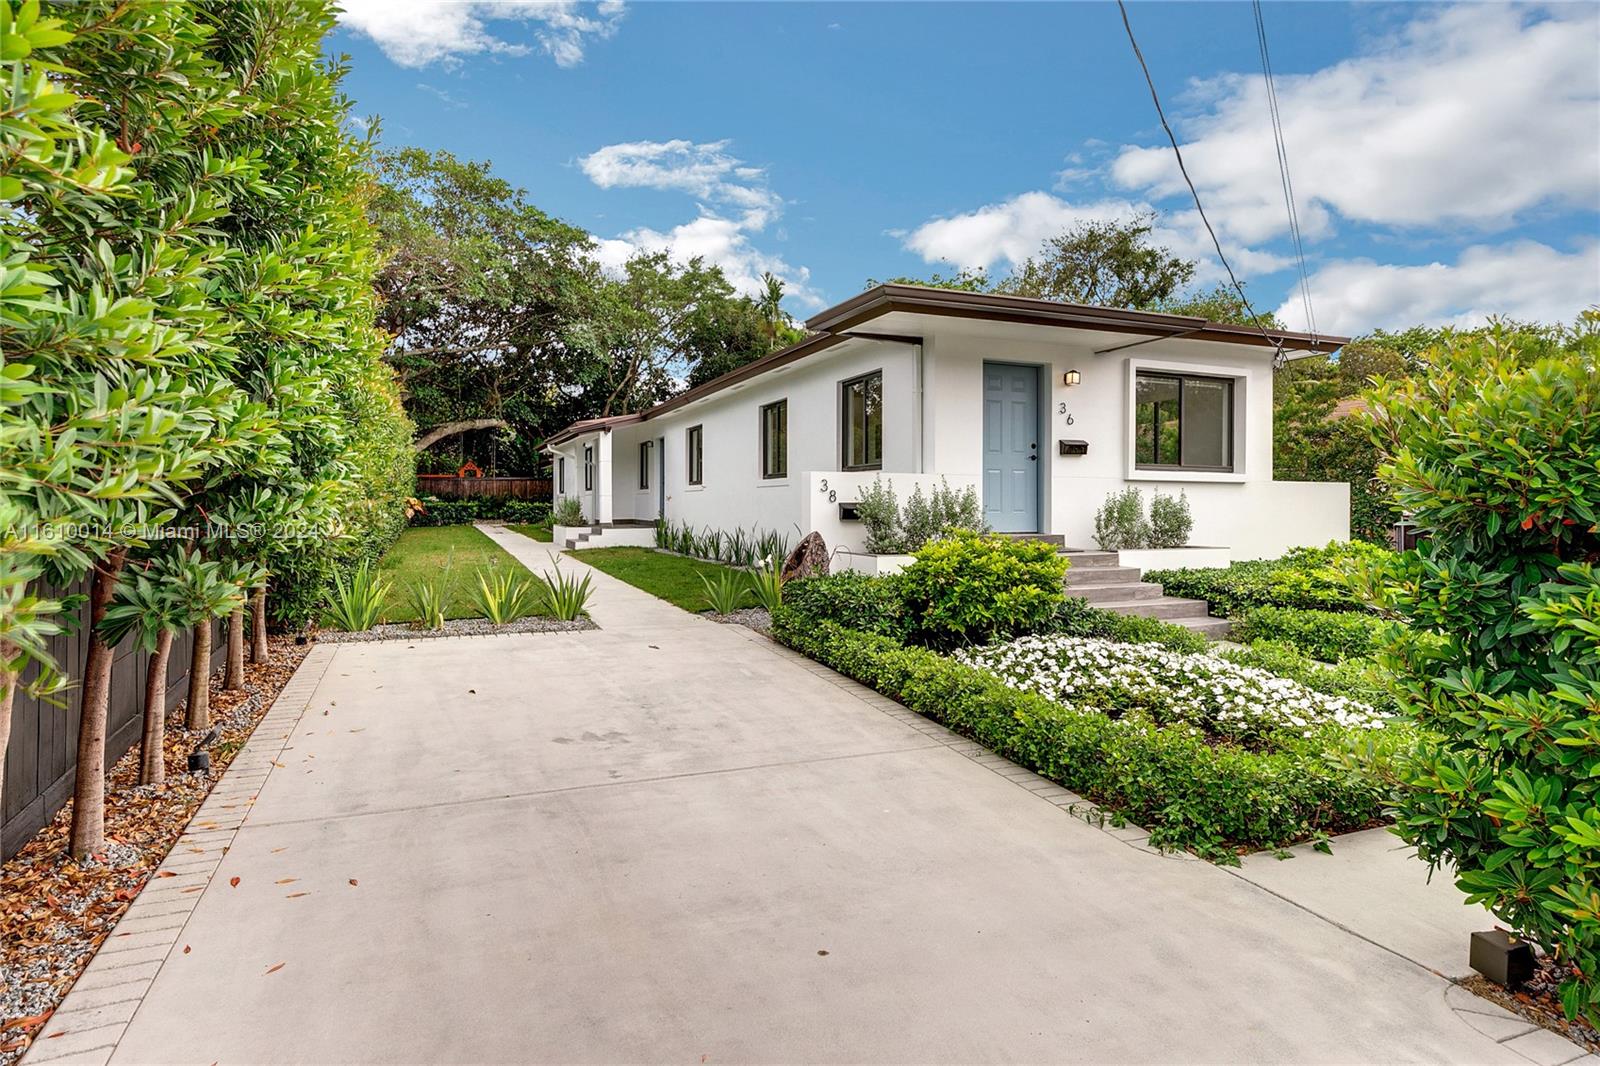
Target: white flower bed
[1209,693]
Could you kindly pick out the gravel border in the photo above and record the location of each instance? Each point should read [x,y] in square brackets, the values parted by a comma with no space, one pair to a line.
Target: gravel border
[456,627]
[756,618]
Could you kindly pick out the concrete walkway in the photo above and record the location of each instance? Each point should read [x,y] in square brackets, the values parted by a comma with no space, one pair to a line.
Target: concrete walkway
[671,840]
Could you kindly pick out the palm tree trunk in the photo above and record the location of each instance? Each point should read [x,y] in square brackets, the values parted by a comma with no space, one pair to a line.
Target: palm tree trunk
[259,651]
[152,748]
[8,696]
[89,792]
[200,677]
[235,678]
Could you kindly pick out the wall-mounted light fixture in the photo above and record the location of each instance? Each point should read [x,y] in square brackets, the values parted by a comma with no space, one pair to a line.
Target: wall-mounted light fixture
[1071,378]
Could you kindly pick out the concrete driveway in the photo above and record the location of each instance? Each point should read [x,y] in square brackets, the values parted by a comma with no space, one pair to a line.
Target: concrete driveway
[670,840]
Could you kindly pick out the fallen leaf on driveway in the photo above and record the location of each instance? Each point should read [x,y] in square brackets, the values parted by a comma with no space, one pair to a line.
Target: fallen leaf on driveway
[353,881]
[186,949]
[296,895]
[274,969]
[165,873]
[233,882]
[286,881]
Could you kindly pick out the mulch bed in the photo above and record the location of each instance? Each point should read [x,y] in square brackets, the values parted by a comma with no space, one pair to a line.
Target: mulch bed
[54,912]
[1539,1001]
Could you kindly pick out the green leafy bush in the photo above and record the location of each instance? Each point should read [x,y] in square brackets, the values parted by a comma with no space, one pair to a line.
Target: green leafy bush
[440,512]
[1187,791]
[855,601]
[891,531]
[1170,521]
[568,511]
[1075,617]
[1120,521]
[1354,678]
[1493,448]
[1312,578]
[1326,635]
[970,588]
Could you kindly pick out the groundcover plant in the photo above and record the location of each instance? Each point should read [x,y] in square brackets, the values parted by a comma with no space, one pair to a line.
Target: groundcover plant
[1220,698]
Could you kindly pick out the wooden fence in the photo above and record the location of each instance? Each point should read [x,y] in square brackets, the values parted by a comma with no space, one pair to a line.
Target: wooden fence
[449,487]
[44,737]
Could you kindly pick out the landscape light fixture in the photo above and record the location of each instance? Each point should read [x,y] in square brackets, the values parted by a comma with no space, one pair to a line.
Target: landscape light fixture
[1071,378]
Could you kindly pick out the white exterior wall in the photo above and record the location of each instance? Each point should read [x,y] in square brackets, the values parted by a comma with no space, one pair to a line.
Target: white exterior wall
[732,492]
[1244,511]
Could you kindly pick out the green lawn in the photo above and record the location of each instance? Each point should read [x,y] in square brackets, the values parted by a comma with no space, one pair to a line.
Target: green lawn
[671,577]
[426,552]
[540,531]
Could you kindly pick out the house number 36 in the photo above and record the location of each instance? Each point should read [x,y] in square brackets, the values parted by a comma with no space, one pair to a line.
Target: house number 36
[1062,409]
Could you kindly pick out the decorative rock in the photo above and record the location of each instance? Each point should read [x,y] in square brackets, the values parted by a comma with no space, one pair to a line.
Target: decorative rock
[809,558]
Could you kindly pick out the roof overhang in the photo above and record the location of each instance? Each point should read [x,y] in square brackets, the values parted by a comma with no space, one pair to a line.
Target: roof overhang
[834,326]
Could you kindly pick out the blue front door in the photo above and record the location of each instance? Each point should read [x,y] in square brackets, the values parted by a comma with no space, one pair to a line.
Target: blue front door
[1011,447]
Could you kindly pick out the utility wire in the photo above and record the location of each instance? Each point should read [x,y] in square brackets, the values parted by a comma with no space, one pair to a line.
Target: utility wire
[1283,171]
[1184,170]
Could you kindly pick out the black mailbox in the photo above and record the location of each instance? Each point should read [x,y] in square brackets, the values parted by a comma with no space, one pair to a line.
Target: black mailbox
[1073,447]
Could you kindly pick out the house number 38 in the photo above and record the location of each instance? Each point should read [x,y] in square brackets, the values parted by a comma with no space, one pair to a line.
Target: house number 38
[833,496]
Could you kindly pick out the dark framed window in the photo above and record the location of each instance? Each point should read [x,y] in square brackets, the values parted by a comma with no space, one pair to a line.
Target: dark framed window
[861,418]
[694,439]
[1182,422]
[775,439]
[646,452]
[561,473]
[588,467]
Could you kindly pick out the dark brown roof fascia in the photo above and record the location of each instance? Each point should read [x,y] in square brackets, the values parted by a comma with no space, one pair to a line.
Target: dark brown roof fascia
[813,344]
[589,425]
[1026,310]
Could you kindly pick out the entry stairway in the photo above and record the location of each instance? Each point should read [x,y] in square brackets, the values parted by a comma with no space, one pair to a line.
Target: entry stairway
[1100,578]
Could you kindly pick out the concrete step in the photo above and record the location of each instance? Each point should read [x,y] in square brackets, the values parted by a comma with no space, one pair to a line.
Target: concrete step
[1212,628]
[1056,539]
[1167,607]
[1077,577]
[1083,559]
[1123,593]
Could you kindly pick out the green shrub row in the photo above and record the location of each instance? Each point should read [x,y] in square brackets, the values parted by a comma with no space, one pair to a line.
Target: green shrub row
[1188,793]
[440,512]
[1357,678]
[1327,635]
[1076,618]
[1311,578]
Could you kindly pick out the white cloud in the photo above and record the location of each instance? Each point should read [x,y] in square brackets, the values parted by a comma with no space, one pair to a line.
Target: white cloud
[705,171]
[735,203]
[444,97]
[1471,114]
[415,33]
[1523,279]
[1010,231]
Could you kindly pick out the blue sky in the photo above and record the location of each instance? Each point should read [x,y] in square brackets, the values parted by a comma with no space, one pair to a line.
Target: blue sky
[1446,159]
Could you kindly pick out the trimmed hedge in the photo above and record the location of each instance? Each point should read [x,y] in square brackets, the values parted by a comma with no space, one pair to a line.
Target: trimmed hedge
[1076,618]
[1212,799]
[438,512]
[1307,578]
[1331,636]
[851,600]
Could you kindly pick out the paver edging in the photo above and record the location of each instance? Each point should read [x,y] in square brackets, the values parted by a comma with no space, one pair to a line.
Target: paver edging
[84,1027]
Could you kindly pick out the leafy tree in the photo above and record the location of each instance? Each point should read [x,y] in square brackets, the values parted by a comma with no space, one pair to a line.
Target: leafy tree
[963,280]
[1493,447]
[1108,263]
[1220,304]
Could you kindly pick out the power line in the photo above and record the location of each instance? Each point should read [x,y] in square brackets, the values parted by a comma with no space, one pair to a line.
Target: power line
[1184,170]
[1283,171]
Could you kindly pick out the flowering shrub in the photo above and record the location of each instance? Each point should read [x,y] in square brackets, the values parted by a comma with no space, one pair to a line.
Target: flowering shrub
[1221,698]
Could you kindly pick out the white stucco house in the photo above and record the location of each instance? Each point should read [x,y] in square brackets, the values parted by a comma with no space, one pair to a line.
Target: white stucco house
[1045,407]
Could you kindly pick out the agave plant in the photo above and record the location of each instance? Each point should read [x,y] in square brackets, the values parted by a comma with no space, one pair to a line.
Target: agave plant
[725,593]
[772,545]
[503,596]
[766,583]
[356,600]
[565,596]
[426,600]
[738,549]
